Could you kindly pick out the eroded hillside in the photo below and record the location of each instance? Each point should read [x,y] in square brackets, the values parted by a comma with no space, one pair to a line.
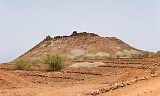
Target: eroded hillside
[81,44]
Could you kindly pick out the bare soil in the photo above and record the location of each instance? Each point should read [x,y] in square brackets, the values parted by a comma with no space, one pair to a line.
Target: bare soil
[83,81]
[143,88]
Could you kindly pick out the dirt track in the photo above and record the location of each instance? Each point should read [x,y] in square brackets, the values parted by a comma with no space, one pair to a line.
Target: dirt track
[143,88]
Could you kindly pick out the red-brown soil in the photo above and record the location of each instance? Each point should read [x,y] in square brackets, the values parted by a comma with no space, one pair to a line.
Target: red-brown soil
[83,81]
[143,88]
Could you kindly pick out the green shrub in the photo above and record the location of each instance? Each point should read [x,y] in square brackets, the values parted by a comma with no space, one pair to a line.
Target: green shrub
[55,62]
[21,64]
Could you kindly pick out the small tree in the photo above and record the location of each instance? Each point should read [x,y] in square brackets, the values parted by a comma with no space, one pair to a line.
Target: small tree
[55,62]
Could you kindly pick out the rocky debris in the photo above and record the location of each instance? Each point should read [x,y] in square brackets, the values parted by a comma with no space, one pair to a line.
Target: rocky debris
[83,71]
[154,72]
[87,64]
[83,34]
[48,38]
[55,75]
[113,87]
[59,37]
[74,33]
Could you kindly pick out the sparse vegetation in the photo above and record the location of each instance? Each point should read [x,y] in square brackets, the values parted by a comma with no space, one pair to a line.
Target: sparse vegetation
[55,62]
[36,63]
[158,53]
[143,54]
[146,54]
[22,64]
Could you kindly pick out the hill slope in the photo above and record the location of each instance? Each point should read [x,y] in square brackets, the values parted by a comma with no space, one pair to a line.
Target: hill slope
[81,44]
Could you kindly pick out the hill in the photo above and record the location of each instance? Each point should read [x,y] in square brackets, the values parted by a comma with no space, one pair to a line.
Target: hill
[90,77]
[81,44]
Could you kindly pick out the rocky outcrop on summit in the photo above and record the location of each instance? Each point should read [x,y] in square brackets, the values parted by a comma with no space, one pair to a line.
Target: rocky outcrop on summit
[82,34]
[80,44]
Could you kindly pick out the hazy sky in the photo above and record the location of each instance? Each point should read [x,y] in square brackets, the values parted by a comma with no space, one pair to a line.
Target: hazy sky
[24,23]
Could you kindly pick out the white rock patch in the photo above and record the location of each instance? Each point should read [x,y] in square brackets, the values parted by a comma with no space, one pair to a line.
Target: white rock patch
[101,54]
[78,52]
[87,64]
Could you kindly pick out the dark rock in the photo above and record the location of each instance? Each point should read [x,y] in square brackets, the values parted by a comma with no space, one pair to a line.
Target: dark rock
[48,38]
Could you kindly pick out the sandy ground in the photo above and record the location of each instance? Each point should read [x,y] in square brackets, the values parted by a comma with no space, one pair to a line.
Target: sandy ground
[143,88]
[76,81]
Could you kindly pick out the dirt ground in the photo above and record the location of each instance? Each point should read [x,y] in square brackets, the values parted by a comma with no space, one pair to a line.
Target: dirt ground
[143,88]
[117,77]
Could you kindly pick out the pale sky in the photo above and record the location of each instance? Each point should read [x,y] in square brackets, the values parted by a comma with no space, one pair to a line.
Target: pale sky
[24,23]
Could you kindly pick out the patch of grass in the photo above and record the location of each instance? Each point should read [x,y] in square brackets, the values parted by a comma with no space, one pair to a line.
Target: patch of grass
[22,64]
[55,62]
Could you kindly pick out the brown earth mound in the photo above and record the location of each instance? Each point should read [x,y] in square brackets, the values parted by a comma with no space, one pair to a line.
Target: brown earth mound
[83,77]
[80,44]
